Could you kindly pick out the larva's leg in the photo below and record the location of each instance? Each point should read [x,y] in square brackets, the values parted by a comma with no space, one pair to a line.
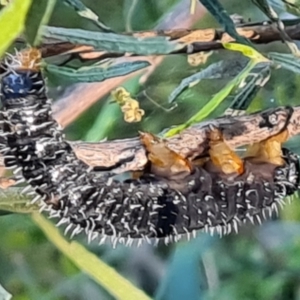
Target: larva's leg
[222,155]
[269,150]
[164,162]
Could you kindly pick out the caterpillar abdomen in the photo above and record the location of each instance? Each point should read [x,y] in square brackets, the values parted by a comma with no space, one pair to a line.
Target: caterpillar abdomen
[148,207]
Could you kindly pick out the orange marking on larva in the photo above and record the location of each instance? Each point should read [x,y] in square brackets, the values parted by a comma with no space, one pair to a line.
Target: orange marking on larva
[269,150]
[164,159]
[222,155]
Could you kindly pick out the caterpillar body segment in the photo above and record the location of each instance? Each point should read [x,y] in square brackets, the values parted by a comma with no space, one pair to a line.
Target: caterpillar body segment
[176,197]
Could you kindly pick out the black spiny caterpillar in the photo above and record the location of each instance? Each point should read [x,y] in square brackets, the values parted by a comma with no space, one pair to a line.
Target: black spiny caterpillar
[150,207]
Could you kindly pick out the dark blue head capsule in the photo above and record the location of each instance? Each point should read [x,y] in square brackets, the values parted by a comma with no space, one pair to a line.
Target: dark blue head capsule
[16,85]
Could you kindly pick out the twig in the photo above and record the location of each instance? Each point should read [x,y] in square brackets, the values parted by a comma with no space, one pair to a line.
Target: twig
[193,41]
[72,104]
[129,154]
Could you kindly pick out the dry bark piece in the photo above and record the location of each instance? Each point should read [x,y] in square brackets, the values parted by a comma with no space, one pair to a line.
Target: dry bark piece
[130,155]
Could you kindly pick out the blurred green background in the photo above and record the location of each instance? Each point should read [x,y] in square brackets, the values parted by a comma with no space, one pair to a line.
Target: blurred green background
[258,263]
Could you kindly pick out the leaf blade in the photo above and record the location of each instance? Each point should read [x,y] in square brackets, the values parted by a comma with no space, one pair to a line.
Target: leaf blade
[87,13]
[12,21]
[216,70]
[38,15]
[286,61]
[96,73]
[118,43]
[221,15]
[106,276]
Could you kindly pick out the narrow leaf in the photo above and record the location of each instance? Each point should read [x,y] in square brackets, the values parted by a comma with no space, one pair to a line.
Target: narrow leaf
[12,200]
[265,7]
[87,13]
[12,20]
[119,43]
[38,15]
[246,51]
[214,102]
[292,6]
[221,15]
[220,69]
[183,277]
[249,87]
[118,286]
[96,73]
[193,6]
[287,61]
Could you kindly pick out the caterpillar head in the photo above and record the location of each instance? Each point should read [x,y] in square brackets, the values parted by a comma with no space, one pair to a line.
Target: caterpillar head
[22,77]
[21,88]
[17,84]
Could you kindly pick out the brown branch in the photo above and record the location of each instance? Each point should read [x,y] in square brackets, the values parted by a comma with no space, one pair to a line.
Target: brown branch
[190,41]
[130,155]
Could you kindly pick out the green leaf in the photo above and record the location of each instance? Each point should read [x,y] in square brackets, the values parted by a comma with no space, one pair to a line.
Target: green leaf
[4,295]
[96,73]
[12,20]
[247,51]
[246,91]
[118,286]
[183,277]
[12,200]
[265,7]
[220,69]
[292,6]
[118,43]
[287,61]
[213,103]
[243,88]
[87,13]
[38,15]
[221,15]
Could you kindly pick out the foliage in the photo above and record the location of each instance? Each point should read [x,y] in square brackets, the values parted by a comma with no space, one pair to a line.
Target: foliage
[259,262]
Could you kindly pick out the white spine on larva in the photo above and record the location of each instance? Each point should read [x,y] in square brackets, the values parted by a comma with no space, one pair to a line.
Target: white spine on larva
[139,209]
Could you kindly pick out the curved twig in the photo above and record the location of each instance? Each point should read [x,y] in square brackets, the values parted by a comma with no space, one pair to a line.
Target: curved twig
[191,40]
[129,154]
